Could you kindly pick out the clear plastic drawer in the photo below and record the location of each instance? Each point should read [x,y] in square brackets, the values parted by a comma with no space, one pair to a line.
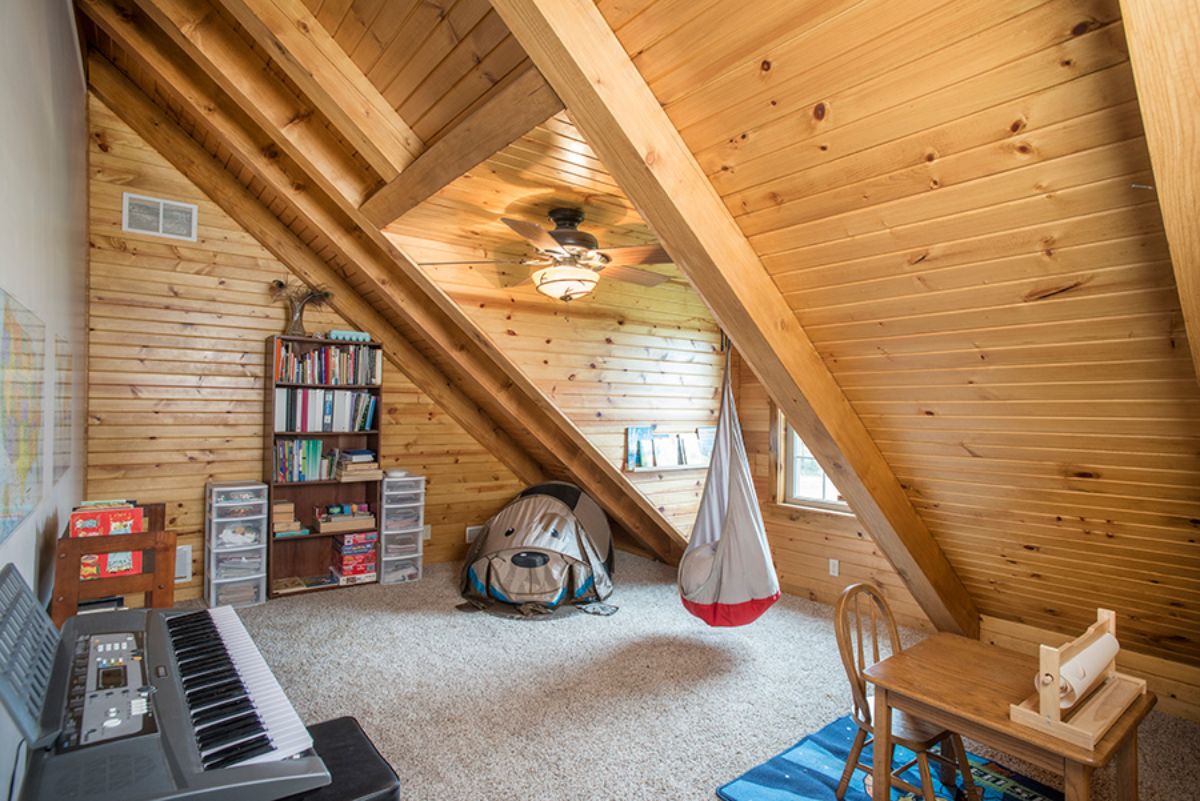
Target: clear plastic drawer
[399,518]
[238,564]
[392,498]
[409,484]
[240,511]
[226,496]
[398,571]
[407,543]
[229,534]
[238,593]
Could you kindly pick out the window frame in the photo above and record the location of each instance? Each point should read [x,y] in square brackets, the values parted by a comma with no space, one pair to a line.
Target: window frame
[787,482]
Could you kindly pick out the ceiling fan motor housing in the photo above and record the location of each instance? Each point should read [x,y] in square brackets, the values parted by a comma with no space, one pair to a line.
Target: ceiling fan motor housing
[566,229]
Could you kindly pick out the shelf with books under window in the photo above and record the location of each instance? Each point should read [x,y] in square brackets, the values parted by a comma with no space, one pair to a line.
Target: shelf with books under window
[321,454]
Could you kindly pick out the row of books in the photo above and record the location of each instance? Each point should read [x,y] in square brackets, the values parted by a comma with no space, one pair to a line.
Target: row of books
[305,410]
[328,364]
[303,460]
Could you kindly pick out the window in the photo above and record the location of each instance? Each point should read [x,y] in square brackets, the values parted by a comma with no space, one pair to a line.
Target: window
[804,480]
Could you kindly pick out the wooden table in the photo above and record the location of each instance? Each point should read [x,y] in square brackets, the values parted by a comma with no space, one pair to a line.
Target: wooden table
[965,685]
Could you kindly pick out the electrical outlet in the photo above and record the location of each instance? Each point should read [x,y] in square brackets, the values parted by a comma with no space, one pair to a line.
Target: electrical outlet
[835,567]
[426,531]
[473,532]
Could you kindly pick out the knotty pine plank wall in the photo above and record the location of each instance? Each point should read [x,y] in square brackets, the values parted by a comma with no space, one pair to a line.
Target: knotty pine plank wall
[625,355]
[176,364]
[803,540]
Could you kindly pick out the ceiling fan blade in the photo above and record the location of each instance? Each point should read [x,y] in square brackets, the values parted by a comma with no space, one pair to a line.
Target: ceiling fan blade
[536,234]
[476,261]
[633,275]
[637,254]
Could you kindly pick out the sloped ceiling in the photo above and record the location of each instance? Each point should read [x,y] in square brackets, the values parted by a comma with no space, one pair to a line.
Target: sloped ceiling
[955,198]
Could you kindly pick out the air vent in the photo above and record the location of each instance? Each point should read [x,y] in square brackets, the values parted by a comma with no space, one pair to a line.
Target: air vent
[158,217]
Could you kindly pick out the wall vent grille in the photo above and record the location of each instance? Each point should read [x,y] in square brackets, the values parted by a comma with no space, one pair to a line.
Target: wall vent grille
[158,217]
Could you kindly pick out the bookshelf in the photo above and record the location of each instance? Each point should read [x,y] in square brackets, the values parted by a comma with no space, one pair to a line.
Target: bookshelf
[329,404]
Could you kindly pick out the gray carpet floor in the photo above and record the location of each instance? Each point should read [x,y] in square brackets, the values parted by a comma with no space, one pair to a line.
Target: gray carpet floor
[647,704]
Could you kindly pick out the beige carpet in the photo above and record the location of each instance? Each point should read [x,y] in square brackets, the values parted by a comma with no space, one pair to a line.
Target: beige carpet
[647,704]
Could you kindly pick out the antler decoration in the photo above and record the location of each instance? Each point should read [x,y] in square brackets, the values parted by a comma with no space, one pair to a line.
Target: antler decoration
[298,297]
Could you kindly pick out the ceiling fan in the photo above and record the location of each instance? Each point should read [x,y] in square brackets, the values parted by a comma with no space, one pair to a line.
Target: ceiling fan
[569,262]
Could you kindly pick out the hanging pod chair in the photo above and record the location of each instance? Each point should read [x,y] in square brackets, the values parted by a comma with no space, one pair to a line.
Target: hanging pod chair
[726,577]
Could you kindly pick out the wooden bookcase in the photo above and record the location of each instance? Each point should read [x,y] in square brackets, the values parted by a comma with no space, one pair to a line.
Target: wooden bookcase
[310,555]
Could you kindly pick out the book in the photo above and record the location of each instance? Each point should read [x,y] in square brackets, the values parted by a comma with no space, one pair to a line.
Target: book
[347,580]
[708,437]
[299,532]
[689,444]
[102,521]
[645,452]
[633,438]
[110,565]
[666,450]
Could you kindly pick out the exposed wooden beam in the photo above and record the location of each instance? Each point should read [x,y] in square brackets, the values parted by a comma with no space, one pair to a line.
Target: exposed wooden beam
[141,114]
[609,101]
[481,370]
[1162,37]
[510,112]
[299,43]
[197,27]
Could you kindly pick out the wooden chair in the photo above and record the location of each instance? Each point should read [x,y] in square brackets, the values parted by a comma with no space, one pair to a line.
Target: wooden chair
[860,615]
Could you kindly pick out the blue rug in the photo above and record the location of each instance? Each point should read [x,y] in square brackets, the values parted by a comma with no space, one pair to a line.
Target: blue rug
[810,771]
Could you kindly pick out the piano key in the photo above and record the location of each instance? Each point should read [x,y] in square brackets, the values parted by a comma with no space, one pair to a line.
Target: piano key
[249,751]
[221,711]
[230,731]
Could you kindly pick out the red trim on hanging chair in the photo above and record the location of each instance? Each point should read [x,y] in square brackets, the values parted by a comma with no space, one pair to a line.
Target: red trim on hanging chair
[719,614]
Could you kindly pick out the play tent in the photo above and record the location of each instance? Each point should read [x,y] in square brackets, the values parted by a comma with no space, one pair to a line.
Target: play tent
[550,545]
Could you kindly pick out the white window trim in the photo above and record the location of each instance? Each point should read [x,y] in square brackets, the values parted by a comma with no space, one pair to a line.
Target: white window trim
[789,461]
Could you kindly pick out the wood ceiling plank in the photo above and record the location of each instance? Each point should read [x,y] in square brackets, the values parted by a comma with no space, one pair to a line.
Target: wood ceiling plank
[575,49]
[440,330]
[211,41]
[1162,37]
[311,57]
[140,113]
[506,116]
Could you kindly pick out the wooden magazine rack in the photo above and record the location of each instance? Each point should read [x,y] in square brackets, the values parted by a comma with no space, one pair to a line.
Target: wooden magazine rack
[157,579]
[1085,723]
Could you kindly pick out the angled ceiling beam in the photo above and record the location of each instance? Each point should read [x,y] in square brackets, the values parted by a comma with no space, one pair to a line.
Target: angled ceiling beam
[199,30]
[480,369]
[510,112]
[141,114]
[299,43]
[1162,37]
[609,101]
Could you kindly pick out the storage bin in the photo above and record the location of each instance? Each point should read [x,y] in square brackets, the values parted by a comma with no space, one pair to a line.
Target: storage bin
[226,496]
[238,593]
[399,571]
[240,511]
[238,564]
[392,498]
[226,535]
[407,543]
[400,518]
[407,484]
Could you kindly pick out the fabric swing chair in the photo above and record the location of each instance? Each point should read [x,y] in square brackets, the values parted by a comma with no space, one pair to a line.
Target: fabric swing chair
[726,576]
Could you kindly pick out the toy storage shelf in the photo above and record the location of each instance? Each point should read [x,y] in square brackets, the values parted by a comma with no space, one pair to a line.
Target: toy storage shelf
[235,543]
[299,557]
[401,530]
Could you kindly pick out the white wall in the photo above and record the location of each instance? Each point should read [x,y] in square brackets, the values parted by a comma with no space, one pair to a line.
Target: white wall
[43,234]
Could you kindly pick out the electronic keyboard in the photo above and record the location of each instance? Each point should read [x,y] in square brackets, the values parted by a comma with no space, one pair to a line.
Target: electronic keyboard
[146,705]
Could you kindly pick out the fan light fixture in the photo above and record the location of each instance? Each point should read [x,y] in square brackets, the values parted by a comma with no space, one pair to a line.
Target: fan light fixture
[565,282]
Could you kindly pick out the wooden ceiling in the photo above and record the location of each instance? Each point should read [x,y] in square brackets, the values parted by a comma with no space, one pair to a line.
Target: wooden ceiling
[551,166]
[432,60]
[955,199]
